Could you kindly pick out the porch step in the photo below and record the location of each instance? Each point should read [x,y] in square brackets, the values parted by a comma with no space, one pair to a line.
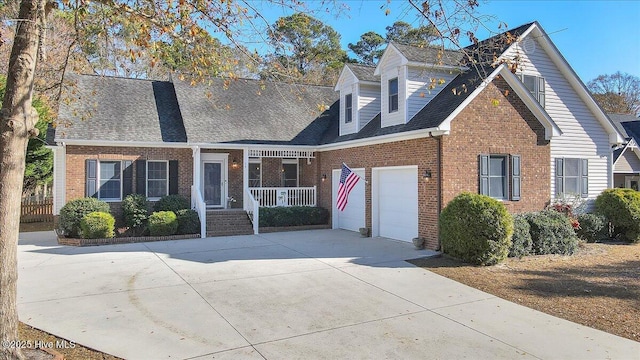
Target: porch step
[228,223]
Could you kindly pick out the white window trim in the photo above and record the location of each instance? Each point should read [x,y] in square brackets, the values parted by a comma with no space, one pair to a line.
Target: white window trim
[348,110]
[256,161]
[297,163]
[537,90]
[166,190]
[505,187]
[99,180]
[389,94]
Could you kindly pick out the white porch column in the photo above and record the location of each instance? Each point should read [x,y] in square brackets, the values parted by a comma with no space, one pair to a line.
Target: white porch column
[196,170]
[245,178]
[59,177]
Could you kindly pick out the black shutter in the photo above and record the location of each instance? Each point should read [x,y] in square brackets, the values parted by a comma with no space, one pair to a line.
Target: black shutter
[484,174]
[173,177]
[515,177]
[127,178]
[584,178]
[141,177]
[559,176]
[91,184]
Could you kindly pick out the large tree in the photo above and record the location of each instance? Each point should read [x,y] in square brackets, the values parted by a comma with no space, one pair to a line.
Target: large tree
[404,33]
[369,48]
[617,93]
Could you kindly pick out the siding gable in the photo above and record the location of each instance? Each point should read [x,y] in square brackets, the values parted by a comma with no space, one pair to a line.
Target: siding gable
[418,83]
[628,162]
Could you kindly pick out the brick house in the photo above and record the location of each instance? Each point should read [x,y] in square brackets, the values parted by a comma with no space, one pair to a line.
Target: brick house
[419,128]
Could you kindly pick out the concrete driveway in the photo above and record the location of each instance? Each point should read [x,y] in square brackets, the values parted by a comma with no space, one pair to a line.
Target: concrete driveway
[323,294]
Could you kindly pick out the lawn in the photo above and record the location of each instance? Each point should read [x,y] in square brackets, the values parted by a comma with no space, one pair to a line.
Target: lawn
[599,286]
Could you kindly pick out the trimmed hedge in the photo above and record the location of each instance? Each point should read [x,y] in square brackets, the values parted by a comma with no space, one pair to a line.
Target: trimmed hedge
[521,243]
[621,207]
[163,223]
[172,203]
[293,216]
[97,225]
[72,213]
[593,227]
[188,222]
[476,229]
[551,233]
[134,211]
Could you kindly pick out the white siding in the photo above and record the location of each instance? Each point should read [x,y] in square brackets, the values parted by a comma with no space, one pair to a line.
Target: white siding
[583,135]
[392,69]
[59,168]
[368,104]
[418,92]
[627,163]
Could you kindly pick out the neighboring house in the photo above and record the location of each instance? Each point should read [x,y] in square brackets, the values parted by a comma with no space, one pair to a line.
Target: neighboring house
[419,128]
[626,159]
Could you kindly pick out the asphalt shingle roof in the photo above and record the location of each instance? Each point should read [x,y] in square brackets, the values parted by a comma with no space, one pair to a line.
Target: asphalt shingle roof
[364,72]
[253,111]
[119,109]
[429,54]
[619,119]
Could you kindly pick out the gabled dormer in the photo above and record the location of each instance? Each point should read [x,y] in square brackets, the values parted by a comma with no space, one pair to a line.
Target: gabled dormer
[359,97]
[410,77]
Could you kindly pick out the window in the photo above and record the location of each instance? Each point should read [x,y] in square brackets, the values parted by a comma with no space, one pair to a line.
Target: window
[290,172]
[535,85]
[572,176]
[255,173]
[348,108]
[110,180]
[496,171]
[157,179]
[393,95]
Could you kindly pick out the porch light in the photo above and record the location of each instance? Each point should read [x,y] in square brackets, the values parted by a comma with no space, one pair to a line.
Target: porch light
[324,177]
[427,175]
[234,163]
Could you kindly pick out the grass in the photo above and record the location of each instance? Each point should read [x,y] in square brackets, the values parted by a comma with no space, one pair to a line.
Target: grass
[599,286]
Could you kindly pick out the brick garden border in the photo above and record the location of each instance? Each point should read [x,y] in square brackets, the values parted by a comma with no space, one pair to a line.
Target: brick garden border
[121,240]
[270,229]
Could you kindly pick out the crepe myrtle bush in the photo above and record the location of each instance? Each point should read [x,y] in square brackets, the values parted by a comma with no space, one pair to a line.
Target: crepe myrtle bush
[476,229]
[97,225]
[72,213]
[163,223]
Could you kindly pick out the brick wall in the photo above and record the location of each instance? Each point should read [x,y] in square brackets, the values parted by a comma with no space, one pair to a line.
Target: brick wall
[421,152]
[506,128]
[75,166]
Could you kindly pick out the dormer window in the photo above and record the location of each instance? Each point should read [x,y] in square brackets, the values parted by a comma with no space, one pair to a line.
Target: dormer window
[535,85]
[348,108]
[393,95]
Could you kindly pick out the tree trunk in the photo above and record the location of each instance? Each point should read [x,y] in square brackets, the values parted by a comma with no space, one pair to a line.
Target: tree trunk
[17,120]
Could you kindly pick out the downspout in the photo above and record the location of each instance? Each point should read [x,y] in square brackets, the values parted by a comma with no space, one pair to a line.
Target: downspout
[438,182]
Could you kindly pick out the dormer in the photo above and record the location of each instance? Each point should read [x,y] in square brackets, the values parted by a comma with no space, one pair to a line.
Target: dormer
[410,77]
[359,97]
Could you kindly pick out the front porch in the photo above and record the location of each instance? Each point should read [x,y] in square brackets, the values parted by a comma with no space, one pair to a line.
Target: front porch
[250,178]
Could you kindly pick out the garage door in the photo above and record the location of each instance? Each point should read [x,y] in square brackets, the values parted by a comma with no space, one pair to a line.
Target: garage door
[395,202]
[352,218]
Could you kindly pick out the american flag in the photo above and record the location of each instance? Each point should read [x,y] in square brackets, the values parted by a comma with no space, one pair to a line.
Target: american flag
[348,179]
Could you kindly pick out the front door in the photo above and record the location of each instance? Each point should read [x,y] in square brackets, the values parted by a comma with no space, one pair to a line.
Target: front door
[213,183]
[631,182]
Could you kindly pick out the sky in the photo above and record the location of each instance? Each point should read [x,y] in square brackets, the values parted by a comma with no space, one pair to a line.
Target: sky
[596,37]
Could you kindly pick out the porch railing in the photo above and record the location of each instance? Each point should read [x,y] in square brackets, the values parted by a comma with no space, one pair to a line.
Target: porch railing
[197,203]
[253,210]
[284,196]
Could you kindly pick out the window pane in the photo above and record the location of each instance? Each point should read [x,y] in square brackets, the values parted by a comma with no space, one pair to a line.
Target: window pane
[530,83]
[393,103]
[254,174]
[496,187]
[109,170]
[393,86]
[157,170]
[109,180]
[156,188]
[109,189]
[496,166]
[571,167]
[571,185]
[290,175]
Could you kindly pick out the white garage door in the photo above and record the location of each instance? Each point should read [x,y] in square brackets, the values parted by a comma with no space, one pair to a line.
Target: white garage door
[395,202]
[352,218]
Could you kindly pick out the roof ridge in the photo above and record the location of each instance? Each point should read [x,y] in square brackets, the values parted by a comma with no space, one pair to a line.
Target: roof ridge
[116,77]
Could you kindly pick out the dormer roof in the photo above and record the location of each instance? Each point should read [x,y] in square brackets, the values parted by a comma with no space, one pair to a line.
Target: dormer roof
[364,72]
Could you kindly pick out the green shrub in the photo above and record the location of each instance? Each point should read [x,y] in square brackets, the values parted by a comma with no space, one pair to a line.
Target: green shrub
[172,203]
[593,227]
[476,229]
[521,243]
[551,233]
[621,207]
[162,223]
[72,213]
[134,211]
[293,216]
[188,222]
[97,225]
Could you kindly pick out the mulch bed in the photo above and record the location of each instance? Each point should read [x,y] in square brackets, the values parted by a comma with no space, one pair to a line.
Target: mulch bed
[599,286]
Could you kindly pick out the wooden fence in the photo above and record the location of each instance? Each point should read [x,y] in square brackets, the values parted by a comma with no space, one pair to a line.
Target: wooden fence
[36,210]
